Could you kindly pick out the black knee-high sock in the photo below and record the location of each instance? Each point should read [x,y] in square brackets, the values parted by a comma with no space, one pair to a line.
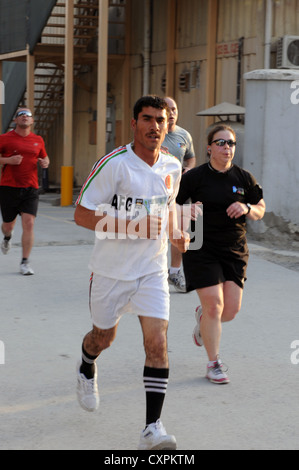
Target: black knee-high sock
[155,384]
[88,364]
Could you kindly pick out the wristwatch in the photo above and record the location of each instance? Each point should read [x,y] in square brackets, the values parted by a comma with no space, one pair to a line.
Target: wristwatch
[249,208]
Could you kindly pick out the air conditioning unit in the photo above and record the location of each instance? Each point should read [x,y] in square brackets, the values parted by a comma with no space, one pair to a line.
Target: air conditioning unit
[288,52]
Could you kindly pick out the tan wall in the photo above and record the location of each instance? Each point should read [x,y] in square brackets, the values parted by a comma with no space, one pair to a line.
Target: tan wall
[84,154]
[85,103]
[236,19]
[285,18]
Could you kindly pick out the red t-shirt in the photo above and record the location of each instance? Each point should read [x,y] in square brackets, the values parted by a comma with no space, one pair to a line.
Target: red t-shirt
[31,147]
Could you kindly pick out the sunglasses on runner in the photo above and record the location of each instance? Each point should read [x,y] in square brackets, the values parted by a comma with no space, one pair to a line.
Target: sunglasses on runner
[24,113]
[222,142]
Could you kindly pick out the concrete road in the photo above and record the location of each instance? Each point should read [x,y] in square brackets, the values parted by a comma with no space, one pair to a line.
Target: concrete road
[44,318]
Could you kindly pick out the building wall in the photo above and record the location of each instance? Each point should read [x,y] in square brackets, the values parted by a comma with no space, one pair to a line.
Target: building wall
[285,17]
[84,154]
[272,139]
[84,122]
[235,20]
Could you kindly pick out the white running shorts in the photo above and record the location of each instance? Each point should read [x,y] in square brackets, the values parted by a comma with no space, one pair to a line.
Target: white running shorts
[109,299]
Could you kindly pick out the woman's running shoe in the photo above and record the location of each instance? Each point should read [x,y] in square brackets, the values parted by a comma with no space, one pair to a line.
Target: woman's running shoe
[216,374]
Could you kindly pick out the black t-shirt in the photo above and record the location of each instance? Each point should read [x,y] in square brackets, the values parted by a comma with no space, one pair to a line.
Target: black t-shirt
[217,191]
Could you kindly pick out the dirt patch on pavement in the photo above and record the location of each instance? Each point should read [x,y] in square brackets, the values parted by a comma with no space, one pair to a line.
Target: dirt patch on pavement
[280,250]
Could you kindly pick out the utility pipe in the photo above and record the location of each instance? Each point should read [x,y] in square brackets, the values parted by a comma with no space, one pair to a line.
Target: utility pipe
[147,47]
[268,34]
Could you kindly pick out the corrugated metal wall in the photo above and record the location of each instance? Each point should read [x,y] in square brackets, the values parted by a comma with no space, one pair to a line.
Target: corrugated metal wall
[285,17]
[191,27]
[236,19]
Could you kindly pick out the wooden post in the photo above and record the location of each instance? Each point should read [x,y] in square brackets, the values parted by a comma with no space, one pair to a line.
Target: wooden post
[67,168]
[30,66]
[102,77]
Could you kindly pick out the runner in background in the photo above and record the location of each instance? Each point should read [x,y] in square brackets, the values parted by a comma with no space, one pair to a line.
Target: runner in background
[21,151]
[180,144]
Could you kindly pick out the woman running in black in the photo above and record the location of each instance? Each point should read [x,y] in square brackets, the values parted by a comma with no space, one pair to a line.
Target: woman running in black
[217,271]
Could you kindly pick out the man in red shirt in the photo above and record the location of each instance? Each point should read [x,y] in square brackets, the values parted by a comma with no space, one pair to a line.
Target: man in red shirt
[20,152]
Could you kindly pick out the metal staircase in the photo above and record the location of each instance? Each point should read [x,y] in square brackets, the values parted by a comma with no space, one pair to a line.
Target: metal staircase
[49,54]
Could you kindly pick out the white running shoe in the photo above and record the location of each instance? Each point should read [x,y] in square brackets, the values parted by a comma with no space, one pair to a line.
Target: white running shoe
[87,391]
[216,374]
[196,336]
[26,270]
[178,281]
[154,437]
[5,246]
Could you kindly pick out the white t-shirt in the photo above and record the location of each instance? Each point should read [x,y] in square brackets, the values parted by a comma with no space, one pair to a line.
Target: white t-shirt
[122,184]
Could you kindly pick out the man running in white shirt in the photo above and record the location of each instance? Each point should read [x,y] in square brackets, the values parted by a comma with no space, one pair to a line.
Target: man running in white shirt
[179,143]
[129,200]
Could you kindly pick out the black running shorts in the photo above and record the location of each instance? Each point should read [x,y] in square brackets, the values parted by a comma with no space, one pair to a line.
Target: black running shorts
[212,265]
[17,201]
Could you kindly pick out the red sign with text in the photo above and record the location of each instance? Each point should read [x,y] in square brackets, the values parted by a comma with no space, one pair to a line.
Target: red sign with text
[227,49]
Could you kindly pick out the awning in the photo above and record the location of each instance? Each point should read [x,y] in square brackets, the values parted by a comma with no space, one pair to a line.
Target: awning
[223,109]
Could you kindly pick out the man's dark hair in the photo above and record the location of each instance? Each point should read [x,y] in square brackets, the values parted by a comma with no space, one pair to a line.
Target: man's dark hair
[150,100]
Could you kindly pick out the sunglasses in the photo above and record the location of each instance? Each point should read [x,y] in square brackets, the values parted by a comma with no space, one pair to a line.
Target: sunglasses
[222,142]
[24,113]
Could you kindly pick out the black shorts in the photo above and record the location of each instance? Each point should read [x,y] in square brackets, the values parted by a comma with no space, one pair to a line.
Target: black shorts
[212,265]
[17,201]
